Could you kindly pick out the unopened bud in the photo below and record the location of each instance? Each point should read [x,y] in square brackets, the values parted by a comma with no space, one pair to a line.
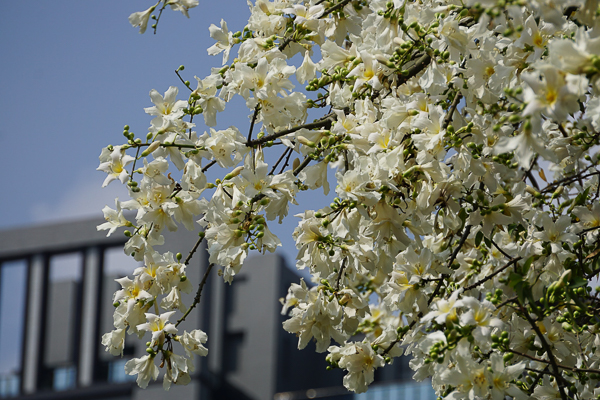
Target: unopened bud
[153,146]
[234,173]
[558,191]
[531,191]
[305,141]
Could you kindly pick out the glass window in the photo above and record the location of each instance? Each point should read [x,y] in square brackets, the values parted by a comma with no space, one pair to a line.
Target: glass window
[13,288]
[62,321]
[116,265]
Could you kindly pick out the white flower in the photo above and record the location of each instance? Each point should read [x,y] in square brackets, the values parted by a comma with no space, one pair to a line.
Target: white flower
[114,218]
[141,18]
[183,5]
[224,40]
[114,341]
[113,162]
[144,368]
[193,342]
[157,325]
[360,361]
[166,106]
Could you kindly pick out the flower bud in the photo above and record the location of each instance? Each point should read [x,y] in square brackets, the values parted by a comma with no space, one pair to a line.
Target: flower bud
[153,146]
[305,141]
[233,173]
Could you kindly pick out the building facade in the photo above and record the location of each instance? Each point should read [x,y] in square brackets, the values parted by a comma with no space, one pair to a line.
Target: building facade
[56,288]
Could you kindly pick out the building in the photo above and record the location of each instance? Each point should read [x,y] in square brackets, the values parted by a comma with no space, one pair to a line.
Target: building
[56,287]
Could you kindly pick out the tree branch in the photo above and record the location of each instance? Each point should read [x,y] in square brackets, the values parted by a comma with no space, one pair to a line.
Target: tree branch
[198,294]
[548,350]
[324,122]
[487,278]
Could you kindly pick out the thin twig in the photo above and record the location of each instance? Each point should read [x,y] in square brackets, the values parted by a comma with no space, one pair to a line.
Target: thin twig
[253,121]
[189,257]
[462,241]
[280,160]
[487,278]
[325,122]
[451,110]
[210,164]
[302,166]
[548,350]
[331,9]
[337,283]
[198,294]
[287,162]
[505,254]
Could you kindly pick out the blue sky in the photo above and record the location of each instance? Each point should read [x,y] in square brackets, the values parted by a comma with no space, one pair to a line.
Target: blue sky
[73,74]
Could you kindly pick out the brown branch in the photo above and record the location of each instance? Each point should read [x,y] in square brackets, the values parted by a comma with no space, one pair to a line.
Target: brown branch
[569,179]
[487,278]
[548,350]
[210,164]
[324,122]
[253,121]
[189,257]
[462,241]
[198,294]
[331,9]
[451,110]
[337,283]
[279,160]
[574,369]
[302,166]
[419,66]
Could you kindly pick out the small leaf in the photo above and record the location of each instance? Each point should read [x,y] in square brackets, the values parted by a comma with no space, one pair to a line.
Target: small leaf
[543,175]
[593,254]
[578,281]
[478,238]
[527,265]
[487,242]
[514,279]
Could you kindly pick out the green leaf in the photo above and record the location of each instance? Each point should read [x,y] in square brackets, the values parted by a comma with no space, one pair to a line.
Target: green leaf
[578,281]
[462,214]
[478,238]
[514,279]
[488,242]
[527,265]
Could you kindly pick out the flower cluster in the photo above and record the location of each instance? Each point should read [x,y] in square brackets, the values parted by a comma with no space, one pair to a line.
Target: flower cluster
[465,231]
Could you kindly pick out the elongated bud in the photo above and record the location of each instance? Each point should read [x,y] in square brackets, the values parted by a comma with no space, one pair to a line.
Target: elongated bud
[234,173]
[558,191]
[565,278]
[531,190]
[305,141]
[264,8]
[296,163]
[153,146]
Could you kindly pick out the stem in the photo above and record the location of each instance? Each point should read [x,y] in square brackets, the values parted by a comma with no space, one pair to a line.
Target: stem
[302,166]
[451,110]
[487,278]
[189,257]
[279,161]
[253,121]
[325,122]
[548,350]
[331,9]
[337,283]
[198,295]
[462,241]
[210,164]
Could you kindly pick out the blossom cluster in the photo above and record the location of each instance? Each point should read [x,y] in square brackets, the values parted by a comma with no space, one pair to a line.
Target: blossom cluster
[465,231]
